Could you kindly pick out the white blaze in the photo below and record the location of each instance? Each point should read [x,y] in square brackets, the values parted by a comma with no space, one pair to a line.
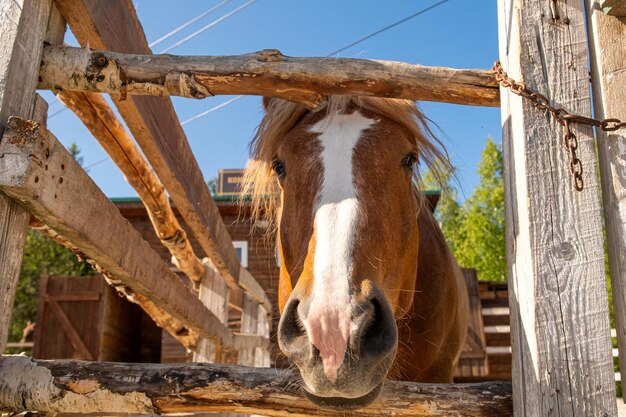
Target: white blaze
[336,219]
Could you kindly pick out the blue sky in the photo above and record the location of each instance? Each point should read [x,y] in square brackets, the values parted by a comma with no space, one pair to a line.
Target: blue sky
[458,33]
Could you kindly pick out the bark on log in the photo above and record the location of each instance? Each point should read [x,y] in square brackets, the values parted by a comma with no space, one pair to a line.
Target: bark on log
[101,121]
[264,73]
[88,387]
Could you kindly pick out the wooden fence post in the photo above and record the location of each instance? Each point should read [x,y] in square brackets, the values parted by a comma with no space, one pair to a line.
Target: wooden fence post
[22,29]
[607,35]
[562,362]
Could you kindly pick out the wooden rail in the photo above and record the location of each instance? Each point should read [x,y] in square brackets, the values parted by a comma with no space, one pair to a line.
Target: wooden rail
[264,73]
[106,128]
[37,171]
[86,387]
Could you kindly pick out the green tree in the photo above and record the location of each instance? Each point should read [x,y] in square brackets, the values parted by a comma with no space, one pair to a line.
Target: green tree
[482,241]
[475,229]
[42,256]
[449,212]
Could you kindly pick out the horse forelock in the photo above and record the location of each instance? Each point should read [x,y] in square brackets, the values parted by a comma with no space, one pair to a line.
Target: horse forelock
[260,184]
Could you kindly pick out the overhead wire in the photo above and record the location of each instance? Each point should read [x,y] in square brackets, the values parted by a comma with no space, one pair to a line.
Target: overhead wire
[189,22]
[210,25]
[386,28]
[211,110]
[178,29]
[350,45]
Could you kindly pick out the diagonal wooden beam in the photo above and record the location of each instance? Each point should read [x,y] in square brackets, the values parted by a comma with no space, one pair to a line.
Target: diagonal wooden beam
[101,121]
[114,26]
[38,172]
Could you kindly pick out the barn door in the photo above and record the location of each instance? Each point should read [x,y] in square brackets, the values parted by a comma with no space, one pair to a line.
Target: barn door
[68,317]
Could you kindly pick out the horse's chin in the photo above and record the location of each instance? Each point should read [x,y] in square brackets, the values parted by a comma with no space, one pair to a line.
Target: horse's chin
[342,403]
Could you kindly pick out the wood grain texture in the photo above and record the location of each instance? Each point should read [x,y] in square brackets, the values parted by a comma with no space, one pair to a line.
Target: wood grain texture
[101,121]
[249,319]
[607,36]
[560,332]
[74,386]
[114,26]
[22,30]
[38,172]
[214,294]
[264,73]
[13,225]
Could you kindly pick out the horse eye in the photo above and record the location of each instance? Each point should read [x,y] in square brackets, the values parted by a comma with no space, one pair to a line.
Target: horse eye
[408,161]
[278,167]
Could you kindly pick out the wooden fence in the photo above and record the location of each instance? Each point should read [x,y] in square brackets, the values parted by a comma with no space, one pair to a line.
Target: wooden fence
[561,349]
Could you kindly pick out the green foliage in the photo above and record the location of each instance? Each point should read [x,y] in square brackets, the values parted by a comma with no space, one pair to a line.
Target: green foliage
[475,230]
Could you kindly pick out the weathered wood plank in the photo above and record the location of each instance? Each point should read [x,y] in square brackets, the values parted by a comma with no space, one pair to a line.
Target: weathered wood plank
[83,387]
[214,294]
[22,30]
[607,36]
[262,354]
[264,73]
[13,225]
[249,318]
[560,332]
[614,7]
[38,172]
[101,121]
[114,26]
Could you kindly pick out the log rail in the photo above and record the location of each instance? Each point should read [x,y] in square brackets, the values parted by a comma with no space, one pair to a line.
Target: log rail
[264,73]
[87,387]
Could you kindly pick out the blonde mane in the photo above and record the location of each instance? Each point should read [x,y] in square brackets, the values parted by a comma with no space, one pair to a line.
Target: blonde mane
[260,183]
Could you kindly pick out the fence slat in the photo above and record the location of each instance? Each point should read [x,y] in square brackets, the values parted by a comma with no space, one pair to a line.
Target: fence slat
[214,294]
[562,362]
[607,36]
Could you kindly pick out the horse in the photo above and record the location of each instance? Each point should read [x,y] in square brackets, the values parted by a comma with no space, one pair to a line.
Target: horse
[368,288]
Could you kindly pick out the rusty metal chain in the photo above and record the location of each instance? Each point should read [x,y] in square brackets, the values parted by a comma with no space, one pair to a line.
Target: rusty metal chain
[562,116]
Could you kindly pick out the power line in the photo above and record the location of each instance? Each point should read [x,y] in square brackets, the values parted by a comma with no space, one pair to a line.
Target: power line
[386,28]
[371,35]
[97,163]
[211,110]
[189,22]
[178,29]
[210,25]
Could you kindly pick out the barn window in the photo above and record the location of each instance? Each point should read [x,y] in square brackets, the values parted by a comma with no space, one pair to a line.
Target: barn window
[241,247]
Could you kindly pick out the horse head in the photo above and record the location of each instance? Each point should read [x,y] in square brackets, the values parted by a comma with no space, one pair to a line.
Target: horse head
[347,235]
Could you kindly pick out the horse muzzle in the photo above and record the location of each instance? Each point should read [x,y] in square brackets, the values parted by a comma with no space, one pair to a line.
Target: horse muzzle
[347,379]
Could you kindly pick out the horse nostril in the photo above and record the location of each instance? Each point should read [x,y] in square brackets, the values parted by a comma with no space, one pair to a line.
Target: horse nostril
[292,338]
[380,335]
